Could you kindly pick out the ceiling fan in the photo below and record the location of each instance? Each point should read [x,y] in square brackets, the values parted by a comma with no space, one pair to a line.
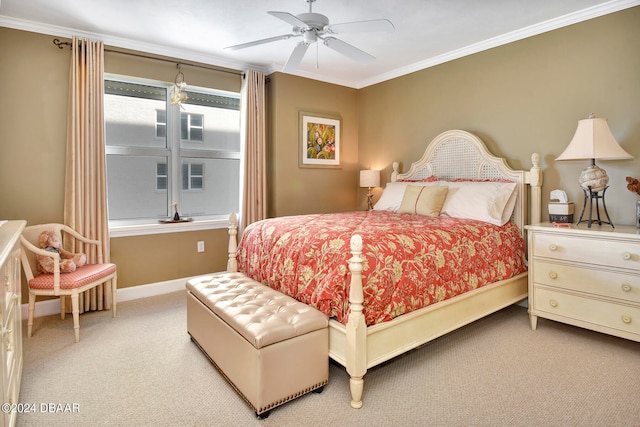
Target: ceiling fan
[313,26]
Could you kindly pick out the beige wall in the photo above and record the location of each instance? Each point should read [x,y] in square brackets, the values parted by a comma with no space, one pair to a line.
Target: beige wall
[294,190]
[521,98]
[34,81]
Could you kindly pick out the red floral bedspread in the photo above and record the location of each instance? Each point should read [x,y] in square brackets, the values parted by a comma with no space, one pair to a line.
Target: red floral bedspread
[411,260]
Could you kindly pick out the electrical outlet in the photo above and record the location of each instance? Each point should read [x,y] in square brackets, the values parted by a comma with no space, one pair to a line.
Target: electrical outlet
[201,246]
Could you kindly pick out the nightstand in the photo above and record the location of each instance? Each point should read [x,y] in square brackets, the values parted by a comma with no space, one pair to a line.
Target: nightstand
[587,277]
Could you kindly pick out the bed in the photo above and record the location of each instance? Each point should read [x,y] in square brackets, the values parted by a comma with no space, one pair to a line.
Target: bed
[363,335]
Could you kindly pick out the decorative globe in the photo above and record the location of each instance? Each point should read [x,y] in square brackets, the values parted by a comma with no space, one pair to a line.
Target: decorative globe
[593,177]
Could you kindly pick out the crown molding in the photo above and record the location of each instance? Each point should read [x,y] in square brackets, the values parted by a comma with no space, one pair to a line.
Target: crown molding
[523,33]
[533,30]
[123,43]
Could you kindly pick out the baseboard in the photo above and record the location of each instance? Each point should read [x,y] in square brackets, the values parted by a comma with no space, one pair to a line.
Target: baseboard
[52,306]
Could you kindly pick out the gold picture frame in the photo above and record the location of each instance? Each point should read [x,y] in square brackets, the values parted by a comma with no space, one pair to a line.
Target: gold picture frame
[320,142]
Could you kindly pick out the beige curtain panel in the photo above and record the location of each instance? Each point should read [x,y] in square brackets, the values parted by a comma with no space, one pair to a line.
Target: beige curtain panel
[254,207]
[85,204]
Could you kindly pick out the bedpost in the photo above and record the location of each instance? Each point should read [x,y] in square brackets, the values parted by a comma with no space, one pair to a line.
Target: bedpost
[232,263]
[535,181]
[356,326]
[394,174]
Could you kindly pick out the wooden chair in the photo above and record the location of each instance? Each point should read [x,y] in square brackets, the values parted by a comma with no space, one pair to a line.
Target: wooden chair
[63,284]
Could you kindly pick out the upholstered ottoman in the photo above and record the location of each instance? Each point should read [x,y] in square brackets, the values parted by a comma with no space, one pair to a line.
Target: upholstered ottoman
[270,347]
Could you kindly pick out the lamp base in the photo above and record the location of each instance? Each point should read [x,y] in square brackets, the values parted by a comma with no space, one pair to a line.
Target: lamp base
[593,178]
[369,199]
[591,195]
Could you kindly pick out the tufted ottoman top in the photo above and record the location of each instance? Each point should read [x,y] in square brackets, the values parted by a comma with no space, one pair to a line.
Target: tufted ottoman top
[262,315]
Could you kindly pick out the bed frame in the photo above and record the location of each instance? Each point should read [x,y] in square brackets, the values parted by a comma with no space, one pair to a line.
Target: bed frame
[452,154]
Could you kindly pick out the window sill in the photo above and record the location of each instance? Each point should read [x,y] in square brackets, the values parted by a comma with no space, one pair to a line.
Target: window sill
[116,231]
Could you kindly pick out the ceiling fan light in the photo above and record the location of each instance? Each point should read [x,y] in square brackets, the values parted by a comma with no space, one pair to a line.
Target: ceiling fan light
[310,37]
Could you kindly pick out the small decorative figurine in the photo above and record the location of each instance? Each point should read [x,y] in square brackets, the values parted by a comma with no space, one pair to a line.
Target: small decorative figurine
[176,215]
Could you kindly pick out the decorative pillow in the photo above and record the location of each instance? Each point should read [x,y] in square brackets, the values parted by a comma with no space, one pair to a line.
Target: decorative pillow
[492,202]
[423,200]
[393,193]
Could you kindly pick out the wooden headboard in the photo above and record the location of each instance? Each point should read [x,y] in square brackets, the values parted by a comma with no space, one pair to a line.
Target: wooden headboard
[457,154]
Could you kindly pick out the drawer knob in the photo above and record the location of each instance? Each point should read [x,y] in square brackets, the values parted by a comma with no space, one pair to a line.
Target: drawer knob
[553,274]
[626,318]
[626,287]
[626,256]
[553,247]
[553,303]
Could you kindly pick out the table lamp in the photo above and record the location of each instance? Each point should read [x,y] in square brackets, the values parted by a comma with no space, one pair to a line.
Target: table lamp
[593,140]
[369,178]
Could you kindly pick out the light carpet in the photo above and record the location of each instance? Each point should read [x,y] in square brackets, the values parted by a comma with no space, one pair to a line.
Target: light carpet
[141,369]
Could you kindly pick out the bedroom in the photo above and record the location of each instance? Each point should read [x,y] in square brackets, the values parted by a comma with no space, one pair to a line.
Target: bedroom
[521,97]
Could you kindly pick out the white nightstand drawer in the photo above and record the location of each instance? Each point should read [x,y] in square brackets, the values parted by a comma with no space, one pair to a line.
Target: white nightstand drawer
[589,250]
[591,311]
[592,280]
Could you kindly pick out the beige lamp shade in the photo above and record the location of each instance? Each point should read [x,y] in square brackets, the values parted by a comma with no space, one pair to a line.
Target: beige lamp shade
[369,178]
[593,140]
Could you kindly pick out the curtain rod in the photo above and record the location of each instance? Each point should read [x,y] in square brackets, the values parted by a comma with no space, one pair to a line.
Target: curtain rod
[61,45]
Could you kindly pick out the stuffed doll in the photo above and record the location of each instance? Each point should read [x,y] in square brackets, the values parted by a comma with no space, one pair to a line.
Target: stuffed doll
[69,261]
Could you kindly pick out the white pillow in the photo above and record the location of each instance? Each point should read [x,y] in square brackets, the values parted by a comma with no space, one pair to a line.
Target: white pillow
[392,195]
[491,202]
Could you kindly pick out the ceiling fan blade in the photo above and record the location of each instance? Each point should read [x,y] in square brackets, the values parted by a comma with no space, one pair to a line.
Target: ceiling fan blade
[296,57]
[348,50]
[288,18]
[361,26]
[262,41]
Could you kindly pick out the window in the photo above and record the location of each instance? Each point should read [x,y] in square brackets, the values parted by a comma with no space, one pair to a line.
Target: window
[191,127]
[159,154]
[192,176]
[161,176]
[161,124]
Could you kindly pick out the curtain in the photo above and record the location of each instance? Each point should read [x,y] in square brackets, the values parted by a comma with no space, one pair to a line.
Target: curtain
[85,193]
[254,181]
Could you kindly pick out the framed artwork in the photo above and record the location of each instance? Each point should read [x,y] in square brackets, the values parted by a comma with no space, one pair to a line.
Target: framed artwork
[320,141]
